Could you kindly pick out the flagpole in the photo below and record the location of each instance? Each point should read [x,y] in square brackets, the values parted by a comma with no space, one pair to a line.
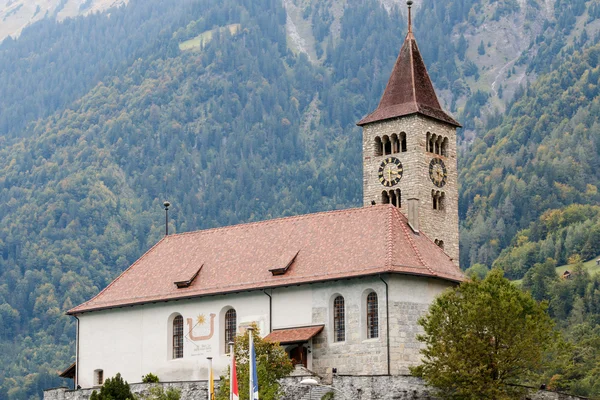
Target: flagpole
[210,378]
[231,370]
[251,362]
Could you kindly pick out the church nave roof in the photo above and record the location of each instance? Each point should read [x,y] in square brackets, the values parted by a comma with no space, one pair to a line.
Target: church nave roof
[304,249]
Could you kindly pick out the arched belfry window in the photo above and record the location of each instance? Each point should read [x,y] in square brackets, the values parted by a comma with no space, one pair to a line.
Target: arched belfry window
[438,199]
[395,144]
[387,145]
[339,320]
[437,144]
[372,316]
[230,327]
[385,197]
[440,243]
[378,147]
[393,197]
[403,147]
[178,337]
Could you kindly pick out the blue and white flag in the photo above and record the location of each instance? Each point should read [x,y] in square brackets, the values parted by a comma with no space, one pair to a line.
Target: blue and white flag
[253,374]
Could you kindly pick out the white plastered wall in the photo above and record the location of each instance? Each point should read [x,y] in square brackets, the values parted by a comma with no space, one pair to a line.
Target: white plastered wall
[135,340]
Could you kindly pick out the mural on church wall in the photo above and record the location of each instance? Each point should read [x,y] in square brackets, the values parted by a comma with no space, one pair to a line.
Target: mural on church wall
[201,327]
[201,331]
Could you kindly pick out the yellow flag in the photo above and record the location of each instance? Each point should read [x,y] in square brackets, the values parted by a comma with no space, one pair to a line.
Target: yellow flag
[212,384]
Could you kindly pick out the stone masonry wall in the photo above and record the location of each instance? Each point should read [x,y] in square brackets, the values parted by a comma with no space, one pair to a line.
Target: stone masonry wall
[357,354]
[404,327]
[350,387]
[193,390]
[415,182]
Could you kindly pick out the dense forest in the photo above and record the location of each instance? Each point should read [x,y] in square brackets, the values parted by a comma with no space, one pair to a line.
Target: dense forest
[104,117]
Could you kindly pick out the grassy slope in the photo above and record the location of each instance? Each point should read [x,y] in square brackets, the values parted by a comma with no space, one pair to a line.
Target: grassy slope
[205,37]
[590,266]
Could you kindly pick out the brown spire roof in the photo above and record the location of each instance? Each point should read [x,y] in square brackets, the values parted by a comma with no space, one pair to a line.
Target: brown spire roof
[321,247]
[409,90]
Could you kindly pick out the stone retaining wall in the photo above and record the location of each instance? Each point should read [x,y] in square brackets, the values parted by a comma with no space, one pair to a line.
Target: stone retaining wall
[189,391]
[354,387]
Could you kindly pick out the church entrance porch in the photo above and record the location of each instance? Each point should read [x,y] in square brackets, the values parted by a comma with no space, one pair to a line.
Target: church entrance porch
[296,342]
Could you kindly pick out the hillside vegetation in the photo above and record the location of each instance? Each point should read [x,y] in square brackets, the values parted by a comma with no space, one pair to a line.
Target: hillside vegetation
[105,117]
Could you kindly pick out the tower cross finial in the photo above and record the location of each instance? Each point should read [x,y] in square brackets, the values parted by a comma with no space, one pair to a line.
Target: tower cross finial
[409,3]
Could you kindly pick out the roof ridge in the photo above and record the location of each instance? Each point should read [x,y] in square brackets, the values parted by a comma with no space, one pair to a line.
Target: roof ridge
[410,37]
[446,254]
[120,275]
[281,219]
[414,247]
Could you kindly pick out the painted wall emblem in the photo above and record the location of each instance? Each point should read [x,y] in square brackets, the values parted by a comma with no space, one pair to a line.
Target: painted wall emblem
[201,330]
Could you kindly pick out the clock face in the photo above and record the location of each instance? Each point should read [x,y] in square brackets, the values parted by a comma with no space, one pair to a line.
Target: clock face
[390,171]
[437,172]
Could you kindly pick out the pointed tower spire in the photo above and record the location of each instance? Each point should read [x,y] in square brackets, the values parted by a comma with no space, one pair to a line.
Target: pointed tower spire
[409,89]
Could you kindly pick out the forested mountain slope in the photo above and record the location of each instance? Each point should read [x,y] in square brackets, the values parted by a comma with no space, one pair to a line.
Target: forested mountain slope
[104,117]
[216,132]
[543,155]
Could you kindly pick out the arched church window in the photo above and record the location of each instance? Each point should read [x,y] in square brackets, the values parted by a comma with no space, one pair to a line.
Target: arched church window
[339,320]
[398,198]
[387,145]
[372,316]
[403,142]
[440,243]
[178,337]
[378,147]
[230,327]
[434,200]
[441,200]
[98,377]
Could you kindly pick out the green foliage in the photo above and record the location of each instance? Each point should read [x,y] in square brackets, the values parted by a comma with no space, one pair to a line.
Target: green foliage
[478,271]
[150,378]
[540,278]
[543,155]
[328,396]
[272,363]
[558,234]
[575,305]
[113,389]
[159,393]
[481,337]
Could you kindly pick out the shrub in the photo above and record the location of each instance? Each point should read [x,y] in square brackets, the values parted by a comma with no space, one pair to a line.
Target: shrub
[114,389]
[150,378]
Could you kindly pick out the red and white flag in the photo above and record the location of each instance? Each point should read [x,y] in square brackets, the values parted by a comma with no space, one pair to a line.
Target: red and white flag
[233,390]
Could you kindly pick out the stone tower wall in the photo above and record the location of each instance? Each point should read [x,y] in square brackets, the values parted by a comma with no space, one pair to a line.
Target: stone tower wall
[415,182]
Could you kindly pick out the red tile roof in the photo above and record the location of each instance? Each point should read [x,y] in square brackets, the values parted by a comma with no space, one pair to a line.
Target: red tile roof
[294,335]
[409,89]
[329,245]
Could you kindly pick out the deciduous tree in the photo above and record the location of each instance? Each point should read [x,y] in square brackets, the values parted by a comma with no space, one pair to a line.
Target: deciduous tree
[481,338]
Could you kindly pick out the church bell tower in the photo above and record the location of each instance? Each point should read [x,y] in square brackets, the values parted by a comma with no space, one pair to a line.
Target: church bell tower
[409,150]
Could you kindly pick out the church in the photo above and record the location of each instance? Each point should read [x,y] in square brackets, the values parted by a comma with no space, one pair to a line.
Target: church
[341,290]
